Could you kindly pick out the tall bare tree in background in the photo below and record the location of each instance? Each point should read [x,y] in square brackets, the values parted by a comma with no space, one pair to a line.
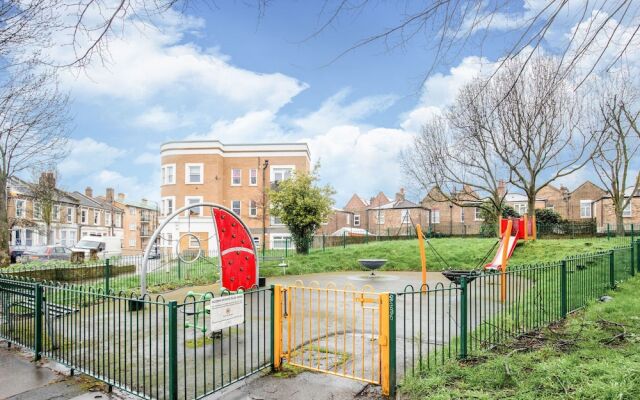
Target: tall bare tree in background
[452,155]
[537,124]
[618,113]
[46,196]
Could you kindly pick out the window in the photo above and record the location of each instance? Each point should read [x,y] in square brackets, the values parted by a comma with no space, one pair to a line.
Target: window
[193,174]
[37,210]
[276,220]
[56,213]
[132,211]
[28,237]
[462,214]
[132,243]
[256,241]
[626,213]
[278,174]
[83,215]
[169,174]
[96,217]
[235,206]
[69,215]
[18,237]
[585,208]
[477,214]
[107,218]
[189,200]
[406,218]
[521,208]
[379,215]
[356,219]
[348,219]
[63,238]
[194,242]
[253,177]
[435,216]
[281,241]
[550,207]
[253,208]
[167,205]
[167,239]
[20,205]
[132,227]
[118,220]
[236,177]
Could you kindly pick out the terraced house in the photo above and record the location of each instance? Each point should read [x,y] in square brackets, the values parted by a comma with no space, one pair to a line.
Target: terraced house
[232,175]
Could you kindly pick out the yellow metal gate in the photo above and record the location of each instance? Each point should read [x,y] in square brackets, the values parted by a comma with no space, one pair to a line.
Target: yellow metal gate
[343,332]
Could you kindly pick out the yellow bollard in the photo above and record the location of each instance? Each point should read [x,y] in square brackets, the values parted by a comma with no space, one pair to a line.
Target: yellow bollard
[423,257]
[503,266]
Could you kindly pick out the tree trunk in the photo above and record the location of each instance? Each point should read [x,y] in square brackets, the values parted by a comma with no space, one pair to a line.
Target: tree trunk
[5,233]
[531,205]
[619,223]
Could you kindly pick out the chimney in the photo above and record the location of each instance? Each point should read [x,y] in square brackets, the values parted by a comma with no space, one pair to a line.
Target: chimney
[121,196]
[501,188]
[48,178]
[109,194]
[88,191]
[400,195]
[372,201]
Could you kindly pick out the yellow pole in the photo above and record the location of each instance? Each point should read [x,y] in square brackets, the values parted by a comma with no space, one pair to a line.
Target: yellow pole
[503,267]
[277,327]
[423,257]
[526,227]
[383,343]
[534,228]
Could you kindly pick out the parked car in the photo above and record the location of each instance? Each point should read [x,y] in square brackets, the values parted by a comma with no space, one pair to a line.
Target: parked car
[104,247]
[15,252]
[46,253]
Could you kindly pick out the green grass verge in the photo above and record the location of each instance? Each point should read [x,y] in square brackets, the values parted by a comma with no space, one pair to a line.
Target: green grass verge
[595,354]
[459,253]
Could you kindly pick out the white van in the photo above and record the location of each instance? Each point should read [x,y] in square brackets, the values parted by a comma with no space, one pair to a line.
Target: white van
[105,246]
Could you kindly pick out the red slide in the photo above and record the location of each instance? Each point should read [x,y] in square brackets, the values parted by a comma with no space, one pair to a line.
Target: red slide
[516,234]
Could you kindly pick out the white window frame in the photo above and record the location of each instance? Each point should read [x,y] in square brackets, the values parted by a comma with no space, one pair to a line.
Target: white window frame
[132,227]
[22,208]
[628,211]
[164,205]
[405,217]
[273,221]
[348,221]
[132,242]
[55,213]
[521,208]
[253,208]
[186,203]
[239,170]
[37,206]
[435,216]
[187,180]
[272,168]
[253,177]
[166,181]
[96,217]
[194,242]
[118,223]
[462,215]
[379,215]
[356,219]
[84,215]
[69,215]
[132,210]
[477,214]
[279,237]
[256,241]
[239,202]
[586,205]
[107,218]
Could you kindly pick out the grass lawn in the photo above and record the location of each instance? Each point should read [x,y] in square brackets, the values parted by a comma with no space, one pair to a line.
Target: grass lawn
[595,354]
[460,253]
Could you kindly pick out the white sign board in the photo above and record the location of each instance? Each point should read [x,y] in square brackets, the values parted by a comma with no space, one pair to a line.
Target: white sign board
[227,311]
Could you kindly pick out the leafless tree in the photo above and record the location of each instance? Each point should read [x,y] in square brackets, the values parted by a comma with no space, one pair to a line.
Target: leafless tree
[613,161]
[537,125]
[607,29]
[33,129]
[452,155]
[46,196]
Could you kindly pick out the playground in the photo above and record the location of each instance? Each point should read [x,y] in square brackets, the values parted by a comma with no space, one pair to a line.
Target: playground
[375,325]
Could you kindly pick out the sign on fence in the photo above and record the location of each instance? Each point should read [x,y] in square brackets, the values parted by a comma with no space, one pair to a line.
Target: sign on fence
[227,311]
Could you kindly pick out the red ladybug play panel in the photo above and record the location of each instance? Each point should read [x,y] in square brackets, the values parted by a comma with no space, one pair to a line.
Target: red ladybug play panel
[239,267]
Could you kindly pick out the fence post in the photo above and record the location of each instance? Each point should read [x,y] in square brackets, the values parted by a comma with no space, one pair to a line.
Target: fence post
[323,238]
[608,232]
[563,289]
[179,268]
[173,350]
[107,273]
[276,327]
[286,247]
[344,240]
[38,322]
[633,259]
[366,236]
[387,343]
[463,317]
[612,270]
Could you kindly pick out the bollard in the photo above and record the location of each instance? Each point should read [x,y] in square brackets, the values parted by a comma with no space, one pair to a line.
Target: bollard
[463,318]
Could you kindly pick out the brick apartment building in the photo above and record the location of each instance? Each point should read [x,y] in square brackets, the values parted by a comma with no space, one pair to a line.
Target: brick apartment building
[232,175]
[140,220]
[380,215]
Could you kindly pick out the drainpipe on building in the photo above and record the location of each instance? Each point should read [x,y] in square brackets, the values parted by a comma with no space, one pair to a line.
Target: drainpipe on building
[265,165]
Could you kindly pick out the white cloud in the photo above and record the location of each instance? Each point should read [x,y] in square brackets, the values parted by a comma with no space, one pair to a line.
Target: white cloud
[148,158]
[157,118]
[252,126]
[87,156]
[131,186]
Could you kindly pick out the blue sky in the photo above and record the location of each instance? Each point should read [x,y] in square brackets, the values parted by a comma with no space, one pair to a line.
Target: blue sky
[226,73]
